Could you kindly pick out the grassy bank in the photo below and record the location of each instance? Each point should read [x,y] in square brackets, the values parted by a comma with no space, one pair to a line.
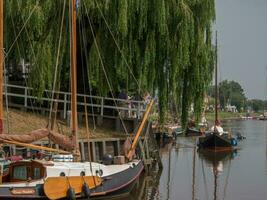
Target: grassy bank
[20,122]
[224,115]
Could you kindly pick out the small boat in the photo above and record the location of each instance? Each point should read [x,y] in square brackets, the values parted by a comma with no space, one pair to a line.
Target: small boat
[217,143]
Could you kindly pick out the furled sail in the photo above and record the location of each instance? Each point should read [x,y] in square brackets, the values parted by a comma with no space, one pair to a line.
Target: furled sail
[63,141]
[27,138]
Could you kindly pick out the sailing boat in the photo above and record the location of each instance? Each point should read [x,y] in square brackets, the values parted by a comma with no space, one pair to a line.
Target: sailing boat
[35,179]
[217,140]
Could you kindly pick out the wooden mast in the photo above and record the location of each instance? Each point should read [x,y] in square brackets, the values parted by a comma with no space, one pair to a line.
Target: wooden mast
[74,121]
[1,64]
[139,131]
[216,81]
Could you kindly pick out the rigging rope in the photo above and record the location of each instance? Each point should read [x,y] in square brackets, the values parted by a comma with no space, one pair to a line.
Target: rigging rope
[24,25]
[34,55]
[56,67]
[17,43]
[115,41]
[6,98]
[86,114]
[88,73]
[104,70]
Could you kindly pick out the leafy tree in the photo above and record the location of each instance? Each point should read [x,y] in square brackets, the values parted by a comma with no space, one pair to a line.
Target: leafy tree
[257,105]
[230,92]
[147,45]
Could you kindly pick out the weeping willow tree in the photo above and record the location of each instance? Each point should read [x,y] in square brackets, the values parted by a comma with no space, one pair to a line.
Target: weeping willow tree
[160,46]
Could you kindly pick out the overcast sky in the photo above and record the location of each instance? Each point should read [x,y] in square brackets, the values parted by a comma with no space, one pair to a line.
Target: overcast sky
[242,38]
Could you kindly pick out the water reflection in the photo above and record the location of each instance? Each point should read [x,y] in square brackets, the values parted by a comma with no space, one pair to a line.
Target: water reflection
[191,175]
[218,162]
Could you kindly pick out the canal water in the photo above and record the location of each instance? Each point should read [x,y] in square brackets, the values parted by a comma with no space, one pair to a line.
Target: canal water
[188,174]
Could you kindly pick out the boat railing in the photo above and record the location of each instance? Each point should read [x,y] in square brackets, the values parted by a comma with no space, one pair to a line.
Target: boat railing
[23,97]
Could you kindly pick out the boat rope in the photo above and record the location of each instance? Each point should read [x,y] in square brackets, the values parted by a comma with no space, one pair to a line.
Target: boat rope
[85,104]
[104,70]
[6,96]
[33,53]
[18,47]
[122,54]
[23,27]
[56,67]
[82,32]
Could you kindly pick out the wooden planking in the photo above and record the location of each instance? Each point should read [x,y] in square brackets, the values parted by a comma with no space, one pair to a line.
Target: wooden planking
[53,192]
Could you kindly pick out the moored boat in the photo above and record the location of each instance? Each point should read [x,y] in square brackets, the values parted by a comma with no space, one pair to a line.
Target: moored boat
[217,143]
[36,179]
[217,139]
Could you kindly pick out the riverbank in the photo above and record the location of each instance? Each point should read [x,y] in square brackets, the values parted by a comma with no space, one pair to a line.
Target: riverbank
[19,122]
[227,115]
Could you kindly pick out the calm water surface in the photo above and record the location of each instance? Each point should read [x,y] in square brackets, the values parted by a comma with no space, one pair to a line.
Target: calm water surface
[188,174]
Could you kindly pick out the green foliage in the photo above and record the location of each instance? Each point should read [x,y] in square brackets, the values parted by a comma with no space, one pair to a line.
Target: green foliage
[257,105]
[166,46]
[230,92]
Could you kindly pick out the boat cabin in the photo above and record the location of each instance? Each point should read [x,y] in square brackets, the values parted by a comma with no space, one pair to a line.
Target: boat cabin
[26,171]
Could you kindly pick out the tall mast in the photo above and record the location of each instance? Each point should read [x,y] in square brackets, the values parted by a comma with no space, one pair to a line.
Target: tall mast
[74,121]
[1,63]
[216,80]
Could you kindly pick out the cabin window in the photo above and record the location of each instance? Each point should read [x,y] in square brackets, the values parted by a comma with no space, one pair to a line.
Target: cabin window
[82,173]
[62,174]
[99,172]
[20,172]
[36,173]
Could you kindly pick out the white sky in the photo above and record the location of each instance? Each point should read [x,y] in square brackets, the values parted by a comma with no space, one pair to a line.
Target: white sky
[242,38]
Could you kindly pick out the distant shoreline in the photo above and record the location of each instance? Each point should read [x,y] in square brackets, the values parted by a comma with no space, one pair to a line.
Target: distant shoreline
[228,116]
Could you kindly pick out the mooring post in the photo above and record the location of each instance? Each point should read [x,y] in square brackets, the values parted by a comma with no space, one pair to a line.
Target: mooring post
[65,106]
[118,144]
[138,111]
[82,150]
[25,98]
[102,107]
[93,151]
[104,147]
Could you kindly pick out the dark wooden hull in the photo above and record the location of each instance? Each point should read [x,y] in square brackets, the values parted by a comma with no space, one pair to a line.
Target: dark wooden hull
[119,183]
[113,186]
[215,142]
